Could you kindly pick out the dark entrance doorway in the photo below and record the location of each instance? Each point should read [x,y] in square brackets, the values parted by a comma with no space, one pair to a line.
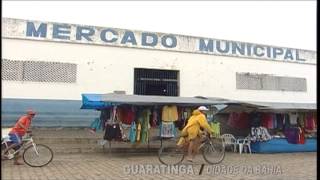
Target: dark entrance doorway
[156,82]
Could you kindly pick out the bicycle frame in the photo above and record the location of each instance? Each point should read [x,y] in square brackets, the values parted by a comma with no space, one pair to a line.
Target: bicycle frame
[25,143]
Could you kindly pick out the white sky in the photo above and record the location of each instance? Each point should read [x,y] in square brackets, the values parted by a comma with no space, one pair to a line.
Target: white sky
[285,23]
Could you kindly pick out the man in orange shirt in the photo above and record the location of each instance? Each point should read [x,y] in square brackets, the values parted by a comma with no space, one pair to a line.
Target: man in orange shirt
[17,132]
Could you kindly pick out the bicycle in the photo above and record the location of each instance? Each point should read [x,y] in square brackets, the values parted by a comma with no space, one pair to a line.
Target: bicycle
[34,155]
[212,149]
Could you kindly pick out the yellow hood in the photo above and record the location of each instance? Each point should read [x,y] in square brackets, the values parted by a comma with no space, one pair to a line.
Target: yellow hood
[196,112]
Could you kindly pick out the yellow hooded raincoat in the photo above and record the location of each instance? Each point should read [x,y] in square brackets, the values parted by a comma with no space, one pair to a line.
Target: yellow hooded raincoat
[192,129]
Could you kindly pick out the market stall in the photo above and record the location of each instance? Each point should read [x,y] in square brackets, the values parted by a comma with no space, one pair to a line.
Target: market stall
[276,127]
[139,114]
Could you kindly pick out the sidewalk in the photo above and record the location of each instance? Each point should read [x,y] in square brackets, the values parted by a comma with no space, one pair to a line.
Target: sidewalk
[102,166]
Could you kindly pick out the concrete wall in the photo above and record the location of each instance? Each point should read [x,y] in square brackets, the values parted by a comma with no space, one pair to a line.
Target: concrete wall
[103,69]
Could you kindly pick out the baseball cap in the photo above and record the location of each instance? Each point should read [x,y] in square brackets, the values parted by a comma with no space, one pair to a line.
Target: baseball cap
[203,108]
[31,112]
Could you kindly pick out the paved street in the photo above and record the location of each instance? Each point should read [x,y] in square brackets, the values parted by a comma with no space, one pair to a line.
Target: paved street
[96,166]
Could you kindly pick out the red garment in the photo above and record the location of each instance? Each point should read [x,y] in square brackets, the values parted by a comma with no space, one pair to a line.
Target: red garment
[127,115]
[238,120]
[309,122]
[267,120]
[25,121]
[301,139]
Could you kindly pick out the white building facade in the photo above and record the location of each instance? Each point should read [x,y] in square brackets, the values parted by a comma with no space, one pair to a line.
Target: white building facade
[55,62]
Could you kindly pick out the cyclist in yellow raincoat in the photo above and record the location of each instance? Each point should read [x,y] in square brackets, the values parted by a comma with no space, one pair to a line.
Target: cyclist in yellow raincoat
[191,132]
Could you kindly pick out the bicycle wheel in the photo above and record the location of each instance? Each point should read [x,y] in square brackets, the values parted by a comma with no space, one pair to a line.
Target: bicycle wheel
[171,155]
[214,151]
[34,159]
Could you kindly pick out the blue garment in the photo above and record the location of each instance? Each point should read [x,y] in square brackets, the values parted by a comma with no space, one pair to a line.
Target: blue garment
[286,121]
[255,119]
[279,119]
[15,139]
[133,132]
[96,124]
[274,119]
[167,129]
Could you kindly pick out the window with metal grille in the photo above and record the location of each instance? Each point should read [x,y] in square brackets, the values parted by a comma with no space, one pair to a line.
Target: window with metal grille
[156,82]
[270,82]
[38,71]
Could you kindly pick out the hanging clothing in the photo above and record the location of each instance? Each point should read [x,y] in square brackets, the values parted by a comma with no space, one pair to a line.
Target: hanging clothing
[279,121]
[301,117]
[255,119]
[267,120]
[96,125]
[167,130]
[104,116]
[310,121]
[145,125]
[169,113]
[133,132]
[293,116]
[126,114]
[113,132]
[286,121]
[138,132]
[215,126]
[301,138]
[154,118]
[239,120]
[294,135]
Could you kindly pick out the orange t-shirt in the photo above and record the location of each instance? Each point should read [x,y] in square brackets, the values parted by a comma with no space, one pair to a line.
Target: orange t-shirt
[25,121]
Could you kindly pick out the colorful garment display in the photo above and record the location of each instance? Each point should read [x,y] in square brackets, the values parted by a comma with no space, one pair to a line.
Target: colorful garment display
[169,113]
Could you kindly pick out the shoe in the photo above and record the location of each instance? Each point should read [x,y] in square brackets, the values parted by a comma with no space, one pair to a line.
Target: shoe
[7,156]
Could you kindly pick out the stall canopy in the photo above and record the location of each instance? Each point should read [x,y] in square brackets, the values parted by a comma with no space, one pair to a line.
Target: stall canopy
[156,100]
[93,101]
[99,101]
[241,106]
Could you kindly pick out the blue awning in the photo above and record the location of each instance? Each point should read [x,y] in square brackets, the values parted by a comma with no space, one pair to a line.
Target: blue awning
[94,101]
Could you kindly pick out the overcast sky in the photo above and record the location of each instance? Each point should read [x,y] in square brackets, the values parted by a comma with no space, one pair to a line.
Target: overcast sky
[286,23]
